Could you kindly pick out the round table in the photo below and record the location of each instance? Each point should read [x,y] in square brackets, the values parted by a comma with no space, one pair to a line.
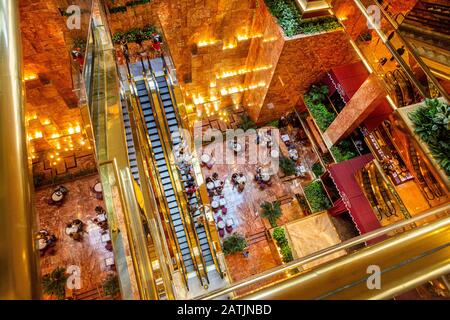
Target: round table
[98,187]
[221,224]
[242,179]
[210,185]
[205,158]
[265,177]
[222,202]
[57,196]
[215,204]
[274,154]
[217,183]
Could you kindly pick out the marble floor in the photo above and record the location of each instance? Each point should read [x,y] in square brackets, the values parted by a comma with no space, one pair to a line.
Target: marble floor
[90,253]
[312,234]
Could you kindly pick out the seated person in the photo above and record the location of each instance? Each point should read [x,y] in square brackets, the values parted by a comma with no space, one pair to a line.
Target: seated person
[215,176]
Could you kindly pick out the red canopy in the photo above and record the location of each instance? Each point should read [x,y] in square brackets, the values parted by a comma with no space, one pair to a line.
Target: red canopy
[347,79]
[343,175]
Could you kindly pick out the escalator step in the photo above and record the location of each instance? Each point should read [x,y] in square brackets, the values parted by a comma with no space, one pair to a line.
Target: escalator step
[159,156]
[163,89]
[167,103]
[172,122]
[169,109]
[165,97]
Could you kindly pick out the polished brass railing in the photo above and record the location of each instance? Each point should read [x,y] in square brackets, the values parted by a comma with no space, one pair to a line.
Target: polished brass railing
[19,275]
[438,214]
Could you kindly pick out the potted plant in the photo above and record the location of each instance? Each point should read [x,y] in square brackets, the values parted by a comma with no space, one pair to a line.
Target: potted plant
[111,285]
[317,169]
[54,283]
[246,123]
[234,244]
[271,211]
[287,166]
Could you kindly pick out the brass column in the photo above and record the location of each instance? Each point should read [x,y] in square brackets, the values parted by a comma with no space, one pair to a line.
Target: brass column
[19,278]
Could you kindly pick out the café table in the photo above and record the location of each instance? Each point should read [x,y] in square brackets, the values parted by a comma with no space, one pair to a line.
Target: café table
[72,229]
[285,137]
[215,204]
[222,202]
[98,187]
[57,196]
[210,185]
[101,217]
[217,183]
[221,224]
[106,237]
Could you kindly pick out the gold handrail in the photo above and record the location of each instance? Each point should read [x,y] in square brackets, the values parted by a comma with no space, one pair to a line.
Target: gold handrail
[199,198]
[397,57]
[181,196]
[142,264]
[159,187]
[19,275]
[441,210]
[150,205]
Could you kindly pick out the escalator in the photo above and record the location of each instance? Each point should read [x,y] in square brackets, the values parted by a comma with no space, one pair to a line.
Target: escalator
[174,125]
[130,144]
[162,167]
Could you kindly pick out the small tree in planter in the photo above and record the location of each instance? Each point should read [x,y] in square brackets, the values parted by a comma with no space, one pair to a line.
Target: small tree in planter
[54,283]
[287,166]
[271,211]
[234,244]
[111,286]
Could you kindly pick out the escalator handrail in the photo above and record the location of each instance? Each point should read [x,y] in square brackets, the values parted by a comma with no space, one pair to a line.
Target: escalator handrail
[175,174]
[182,205]
[159,187]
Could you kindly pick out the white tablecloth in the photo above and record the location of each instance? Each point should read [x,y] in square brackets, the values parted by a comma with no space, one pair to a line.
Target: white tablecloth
[222,202]
[57,196]
[205,158]
[215,204]
[210,185]
[98,187]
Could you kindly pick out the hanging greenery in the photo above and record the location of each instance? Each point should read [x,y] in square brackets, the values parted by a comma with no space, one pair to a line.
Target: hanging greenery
[123,8]
[289,18]
[317,197]
[315,100]
[432,125]
[132,35]
[280,238]
[343,151]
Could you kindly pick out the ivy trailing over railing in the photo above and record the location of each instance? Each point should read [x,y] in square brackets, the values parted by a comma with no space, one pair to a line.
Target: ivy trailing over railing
[289,18]
[317,197]
[132,35]
[123,8]
[315,102]
[344,151]
[280,238]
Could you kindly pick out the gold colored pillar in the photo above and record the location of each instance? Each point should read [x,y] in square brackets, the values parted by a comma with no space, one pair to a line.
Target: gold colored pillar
[19,278]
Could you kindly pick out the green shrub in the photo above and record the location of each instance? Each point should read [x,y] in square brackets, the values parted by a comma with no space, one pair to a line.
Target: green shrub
[280,238]
[271,211]
[111,286]
[317,197]
[233,244]
[317,169]
[315,102]
[432,125]
[145,33]
[289,18]
[343,151]
[286,252]
[54,283]
[287,166]
[246,123]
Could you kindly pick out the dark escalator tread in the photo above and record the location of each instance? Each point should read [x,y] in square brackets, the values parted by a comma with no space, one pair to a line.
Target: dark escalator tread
[163,90]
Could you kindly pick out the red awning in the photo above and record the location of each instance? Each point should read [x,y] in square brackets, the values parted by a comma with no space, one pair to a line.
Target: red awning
[343,175]
[347,79]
